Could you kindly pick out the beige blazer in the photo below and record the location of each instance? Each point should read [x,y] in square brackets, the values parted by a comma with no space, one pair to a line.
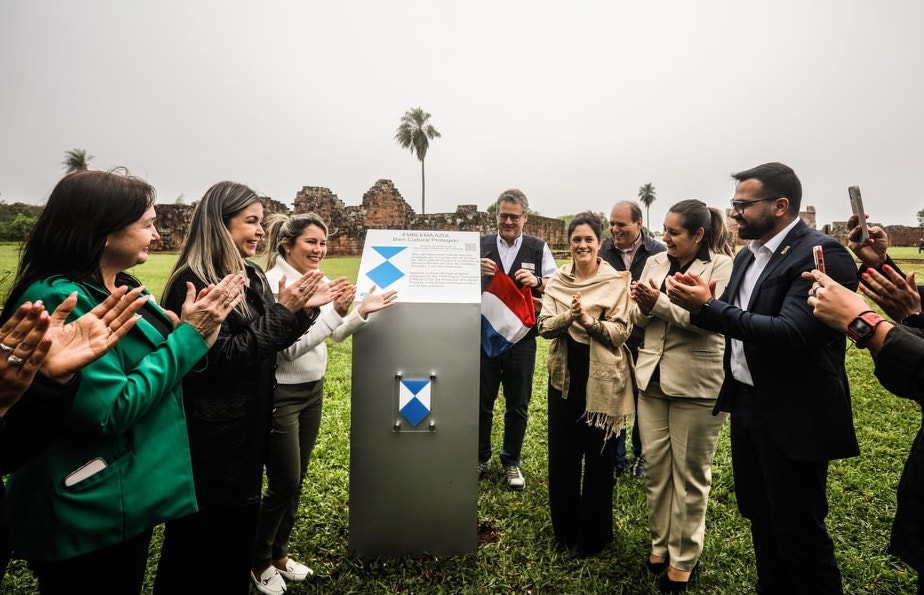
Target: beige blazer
[689,357]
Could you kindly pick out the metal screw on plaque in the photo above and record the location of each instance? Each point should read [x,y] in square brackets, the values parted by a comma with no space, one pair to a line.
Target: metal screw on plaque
[398,375]
[432,375]
[432,426]
[397,427]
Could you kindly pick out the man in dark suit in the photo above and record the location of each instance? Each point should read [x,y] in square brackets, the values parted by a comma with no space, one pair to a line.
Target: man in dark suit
[628,249]
[785,381]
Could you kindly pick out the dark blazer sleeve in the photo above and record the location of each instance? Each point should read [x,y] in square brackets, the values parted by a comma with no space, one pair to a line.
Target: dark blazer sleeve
[900,363]
[796,361]
[240,342]
[34,421]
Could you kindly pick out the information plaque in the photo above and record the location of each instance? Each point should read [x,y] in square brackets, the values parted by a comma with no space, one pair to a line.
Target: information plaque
[414,417]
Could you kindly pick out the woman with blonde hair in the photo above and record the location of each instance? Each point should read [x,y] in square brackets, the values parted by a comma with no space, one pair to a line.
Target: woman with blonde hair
[296,245]
[228,396]
[679,373]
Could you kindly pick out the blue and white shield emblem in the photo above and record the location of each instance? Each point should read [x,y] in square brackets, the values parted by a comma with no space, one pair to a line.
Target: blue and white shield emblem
[414,400]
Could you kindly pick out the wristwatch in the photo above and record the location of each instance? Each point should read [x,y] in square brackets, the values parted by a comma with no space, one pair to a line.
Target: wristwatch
[861,328]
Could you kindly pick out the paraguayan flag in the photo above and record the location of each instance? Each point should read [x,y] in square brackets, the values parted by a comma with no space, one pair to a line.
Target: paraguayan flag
[507,314]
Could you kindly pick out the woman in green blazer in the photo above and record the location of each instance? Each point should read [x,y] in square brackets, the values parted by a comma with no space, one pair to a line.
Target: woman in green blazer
[82,512]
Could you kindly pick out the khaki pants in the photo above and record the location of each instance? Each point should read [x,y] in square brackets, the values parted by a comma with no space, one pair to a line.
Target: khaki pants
[679,436]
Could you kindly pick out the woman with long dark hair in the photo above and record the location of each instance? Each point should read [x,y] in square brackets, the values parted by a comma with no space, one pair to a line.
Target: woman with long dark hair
[82,512]
[679,373]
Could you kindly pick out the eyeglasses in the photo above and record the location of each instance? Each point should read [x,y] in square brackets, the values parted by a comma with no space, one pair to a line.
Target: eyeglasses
[513,218]
[740,205]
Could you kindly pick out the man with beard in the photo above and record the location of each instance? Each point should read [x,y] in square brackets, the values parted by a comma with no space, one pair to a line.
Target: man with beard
[785,381]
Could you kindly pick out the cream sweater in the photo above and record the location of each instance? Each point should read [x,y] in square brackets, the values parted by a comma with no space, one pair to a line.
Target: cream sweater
[306,359]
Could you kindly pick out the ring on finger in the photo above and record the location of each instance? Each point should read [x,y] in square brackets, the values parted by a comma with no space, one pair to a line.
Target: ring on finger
[15,361]
[6,348]
[301,289]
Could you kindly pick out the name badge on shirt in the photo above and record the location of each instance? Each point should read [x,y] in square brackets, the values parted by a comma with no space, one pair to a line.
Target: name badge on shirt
[529,266]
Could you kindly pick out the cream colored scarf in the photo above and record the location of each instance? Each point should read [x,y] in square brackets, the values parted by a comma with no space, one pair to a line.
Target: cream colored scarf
[610,384]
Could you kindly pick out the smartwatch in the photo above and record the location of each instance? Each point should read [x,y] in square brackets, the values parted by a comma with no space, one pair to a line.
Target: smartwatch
[861,328]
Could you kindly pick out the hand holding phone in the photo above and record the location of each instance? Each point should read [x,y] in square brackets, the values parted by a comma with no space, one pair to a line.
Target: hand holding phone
[856,203]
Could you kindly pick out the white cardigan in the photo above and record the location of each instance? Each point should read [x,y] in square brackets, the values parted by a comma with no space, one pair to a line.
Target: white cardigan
[306,359]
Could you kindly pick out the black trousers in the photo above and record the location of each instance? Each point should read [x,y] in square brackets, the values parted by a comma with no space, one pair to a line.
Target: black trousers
[115,570]
[786,502]
[208,552]
[580,466]
[513,370]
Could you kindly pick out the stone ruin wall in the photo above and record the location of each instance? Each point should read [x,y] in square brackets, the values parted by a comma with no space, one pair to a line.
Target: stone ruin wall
[382,207]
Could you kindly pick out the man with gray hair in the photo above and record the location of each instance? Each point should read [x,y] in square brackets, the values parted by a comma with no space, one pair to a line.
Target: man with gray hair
[529,262]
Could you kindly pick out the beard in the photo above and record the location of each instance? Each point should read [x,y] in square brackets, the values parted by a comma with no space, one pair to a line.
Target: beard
[754,229]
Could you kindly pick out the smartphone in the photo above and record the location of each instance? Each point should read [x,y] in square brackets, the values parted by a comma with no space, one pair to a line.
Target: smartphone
[88,469]
[856,203]
[819,258]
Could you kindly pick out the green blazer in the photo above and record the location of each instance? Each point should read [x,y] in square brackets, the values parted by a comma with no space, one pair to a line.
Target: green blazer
[128,412]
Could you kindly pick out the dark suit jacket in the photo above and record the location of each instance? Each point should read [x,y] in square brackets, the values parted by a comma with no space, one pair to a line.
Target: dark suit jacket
[796,362]
[900,369]
[610,253]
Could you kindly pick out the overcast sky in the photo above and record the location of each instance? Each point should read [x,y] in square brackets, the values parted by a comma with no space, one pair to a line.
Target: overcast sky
[576,103]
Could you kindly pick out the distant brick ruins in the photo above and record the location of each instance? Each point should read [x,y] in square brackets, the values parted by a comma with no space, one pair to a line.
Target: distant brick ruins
[383,207]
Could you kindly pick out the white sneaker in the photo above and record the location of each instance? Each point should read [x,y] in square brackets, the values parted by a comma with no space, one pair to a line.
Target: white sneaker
[270,581]
[295,571]
[515,479]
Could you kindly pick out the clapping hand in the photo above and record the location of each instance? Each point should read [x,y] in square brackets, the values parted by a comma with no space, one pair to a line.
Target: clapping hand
[578,313]
[82,341]
[897,296]
[32,340]
[208,309]
[689,291]
[645,295]
[299,294]
[373,302]
[333,291]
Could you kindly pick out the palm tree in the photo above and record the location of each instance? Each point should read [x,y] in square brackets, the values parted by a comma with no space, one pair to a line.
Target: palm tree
[76,160]
[646,194]
[415,133]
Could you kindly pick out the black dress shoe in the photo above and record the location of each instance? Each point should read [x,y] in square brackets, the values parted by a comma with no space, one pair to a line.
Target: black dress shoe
[668,586]
[655,568]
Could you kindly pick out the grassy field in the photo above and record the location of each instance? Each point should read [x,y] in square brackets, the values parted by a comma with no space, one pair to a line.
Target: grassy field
[521,557]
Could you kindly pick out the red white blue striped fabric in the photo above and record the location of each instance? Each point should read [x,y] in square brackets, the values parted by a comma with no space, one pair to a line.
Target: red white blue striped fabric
[507,314]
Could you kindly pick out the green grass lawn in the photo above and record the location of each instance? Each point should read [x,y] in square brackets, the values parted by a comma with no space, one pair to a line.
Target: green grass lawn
[523,559]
